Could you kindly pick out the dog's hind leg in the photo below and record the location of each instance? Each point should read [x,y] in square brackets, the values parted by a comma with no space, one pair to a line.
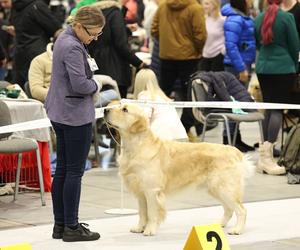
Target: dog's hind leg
[230,204]
[241,214]
[139,228]
[228,210]
[156,211]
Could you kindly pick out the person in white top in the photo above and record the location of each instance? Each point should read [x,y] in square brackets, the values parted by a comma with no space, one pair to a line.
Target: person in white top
[214,48]
[150,10]
[164,120]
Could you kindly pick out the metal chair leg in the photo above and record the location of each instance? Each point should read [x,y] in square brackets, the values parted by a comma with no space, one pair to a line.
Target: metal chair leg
[235,133]
[204,130]
[227,130]
[40,174]
[18,176]
[261,131]
[96,141]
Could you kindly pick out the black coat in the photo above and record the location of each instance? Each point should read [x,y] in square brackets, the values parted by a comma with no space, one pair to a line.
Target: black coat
[111,51]
[34,25]
[2,53]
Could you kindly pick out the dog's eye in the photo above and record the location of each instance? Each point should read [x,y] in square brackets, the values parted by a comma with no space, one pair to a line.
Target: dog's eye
[125,110]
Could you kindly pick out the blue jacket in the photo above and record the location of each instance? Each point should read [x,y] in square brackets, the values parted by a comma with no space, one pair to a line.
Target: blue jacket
[239,38]
[69,100]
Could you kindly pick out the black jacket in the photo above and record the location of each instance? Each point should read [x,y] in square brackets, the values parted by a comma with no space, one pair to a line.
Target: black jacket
[2,53]
[111,51]
[34,25]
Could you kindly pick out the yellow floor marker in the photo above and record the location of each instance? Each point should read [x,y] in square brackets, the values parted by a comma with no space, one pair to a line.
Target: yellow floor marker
[24,246]
[207,237]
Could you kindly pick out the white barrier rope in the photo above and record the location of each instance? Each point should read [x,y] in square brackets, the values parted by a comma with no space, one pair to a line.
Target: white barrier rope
[227,105]
[99,112]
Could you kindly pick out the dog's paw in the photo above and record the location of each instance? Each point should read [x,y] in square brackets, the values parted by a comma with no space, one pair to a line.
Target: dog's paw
[137,229]
[234,231]
[224,222]
[150,231]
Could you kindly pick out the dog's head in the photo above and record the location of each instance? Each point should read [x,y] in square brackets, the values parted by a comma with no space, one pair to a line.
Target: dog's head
[128,118]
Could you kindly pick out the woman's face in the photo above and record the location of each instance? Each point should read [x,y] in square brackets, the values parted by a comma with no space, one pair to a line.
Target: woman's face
[208,7]
[87,35]
[249,4]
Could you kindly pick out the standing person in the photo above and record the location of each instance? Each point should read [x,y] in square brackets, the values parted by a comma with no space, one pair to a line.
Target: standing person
[240,50]
[293,7]
[112,53]
[2,62]
[69,105]
[214,48]
[179,27]
[164,121]
[34,25]
[7,38]
[278,44]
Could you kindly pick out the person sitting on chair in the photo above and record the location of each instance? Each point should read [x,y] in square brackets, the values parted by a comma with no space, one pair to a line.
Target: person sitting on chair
[39,74]
[164,121]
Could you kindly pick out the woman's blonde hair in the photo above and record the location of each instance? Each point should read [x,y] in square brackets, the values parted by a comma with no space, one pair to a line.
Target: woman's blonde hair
[217,7]
[145,80]
[89,17]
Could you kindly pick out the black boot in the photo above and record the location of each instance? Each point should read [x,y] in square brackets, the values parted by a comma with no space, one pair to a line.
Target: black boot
[240,143]
[81,233]
[240,147]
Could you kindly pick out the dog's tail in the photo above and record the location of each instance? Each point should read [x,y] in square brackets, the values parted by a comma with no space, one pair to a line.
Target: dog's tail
[247,166]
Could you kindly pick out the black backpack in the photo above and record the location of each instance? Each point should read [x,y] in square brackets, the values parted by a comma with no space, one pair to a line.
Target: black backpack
[290,155]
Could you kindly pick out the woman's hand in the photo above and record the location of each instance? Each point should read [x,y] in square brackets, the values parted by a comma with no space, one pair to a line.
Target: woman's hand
[244,76]
[11,30]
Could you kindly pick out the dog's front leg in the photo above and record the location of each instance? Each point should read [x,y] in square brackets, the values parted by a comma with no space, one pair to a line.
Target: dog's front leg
[154,205]
[142,215]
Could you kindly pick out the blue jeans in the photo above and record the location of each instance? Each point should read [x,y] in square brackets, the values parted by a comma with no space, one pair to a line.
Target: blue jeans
[73,144]
[2,73]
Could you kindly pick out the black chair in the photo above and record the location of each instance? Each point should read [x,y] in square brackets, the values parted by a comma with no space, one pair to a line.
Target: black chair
[209,117]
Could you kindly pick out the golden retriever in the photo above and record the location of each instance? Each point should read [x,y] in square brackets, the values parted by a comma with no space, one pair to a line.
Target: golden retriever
[151,167]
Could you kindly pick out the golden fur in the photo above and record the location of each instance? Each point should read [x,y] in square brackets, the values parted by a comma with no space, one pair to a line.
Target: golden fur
[152,167]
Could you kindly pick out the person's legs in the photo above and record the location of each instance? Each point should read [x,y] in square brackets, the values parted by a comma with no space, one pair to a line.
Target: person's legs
[239,143]
[59,176]
[185,69]
[77,141]
[274,125]
[168,75]
[205,64]
[217,63]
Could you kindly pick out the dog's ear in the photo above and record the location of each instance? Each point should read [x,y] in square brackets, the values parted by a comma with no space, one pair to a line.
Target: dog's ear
[139,126]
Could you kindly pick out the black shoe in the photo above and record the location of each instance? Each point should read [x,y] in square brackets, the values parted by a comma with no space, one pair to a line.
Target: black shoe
[240,143]
[244,145]
[58,231]
[237,145]
[276,152]
[81,233]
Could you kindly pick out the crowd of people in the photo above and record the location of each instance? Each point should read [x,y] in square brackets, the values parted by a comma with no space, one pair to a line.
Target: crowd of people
[57,49]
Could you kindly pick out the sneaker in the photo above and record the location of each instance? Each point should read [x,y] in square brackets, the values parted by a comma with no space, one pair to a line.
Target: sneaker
[58,231]
[81,233]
